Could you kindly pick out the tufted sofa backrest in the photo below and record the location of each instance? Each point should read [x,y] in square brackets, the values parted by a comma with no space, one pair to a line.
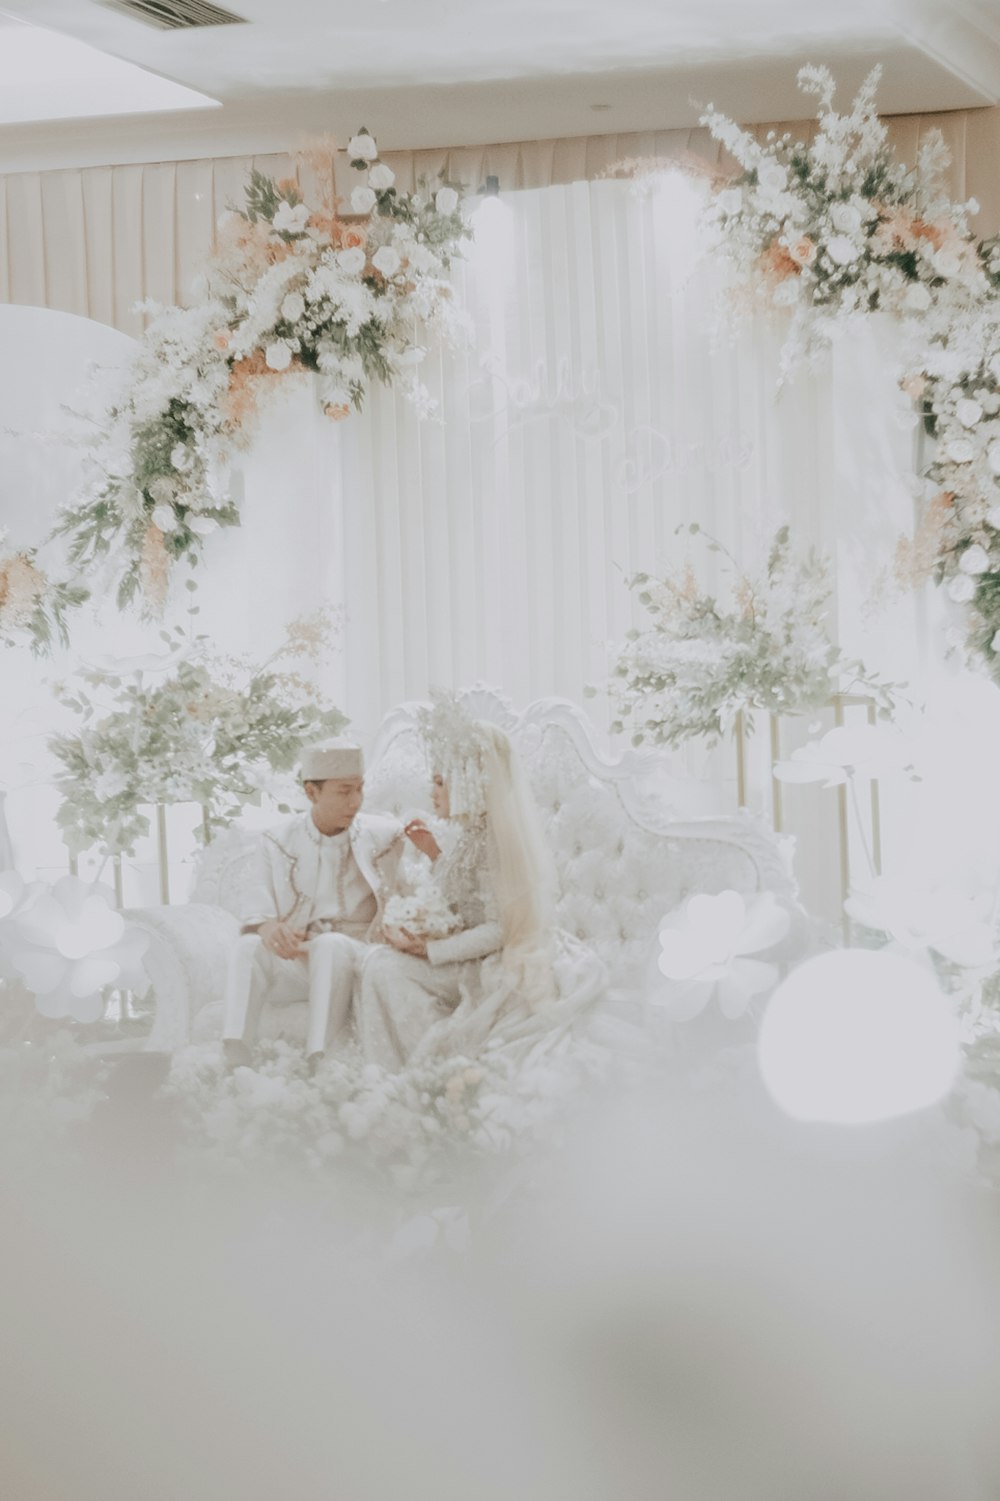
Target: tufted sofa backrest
[623,859]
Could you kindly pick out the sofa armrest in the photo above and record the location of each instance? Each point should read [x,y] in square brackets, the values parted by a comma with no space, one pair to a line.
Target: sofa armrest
[189,948]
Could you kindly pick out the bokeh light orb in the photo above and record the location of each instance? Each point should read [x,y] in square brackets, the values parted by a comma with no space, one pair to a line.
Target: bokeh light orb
[855,1036]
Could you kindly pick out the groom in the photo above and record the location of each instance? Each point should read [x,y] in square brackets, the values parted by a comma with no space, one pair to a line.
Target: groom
[319,890]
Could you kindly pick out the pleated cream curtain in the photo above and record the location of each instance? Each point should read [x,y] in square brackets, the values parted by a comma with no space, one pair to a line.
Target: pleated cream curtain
[97,240]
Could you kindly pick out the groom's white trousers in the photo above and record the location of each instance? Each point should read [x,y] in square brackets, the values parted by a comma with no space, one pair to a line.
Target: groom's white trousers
[325,976]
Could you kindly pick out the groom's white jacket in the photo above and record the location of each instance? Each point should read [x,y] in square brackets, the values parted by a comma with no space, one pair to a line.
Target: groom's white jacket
[287,868]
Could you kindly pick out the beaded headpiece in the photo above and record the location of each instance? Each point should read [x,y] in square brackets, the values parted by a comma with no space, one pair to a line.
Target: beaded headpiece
[456,746]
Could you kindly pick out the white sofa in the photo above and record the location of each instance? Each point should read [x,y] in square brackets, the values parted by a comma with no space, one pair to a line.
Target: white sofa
[624,858]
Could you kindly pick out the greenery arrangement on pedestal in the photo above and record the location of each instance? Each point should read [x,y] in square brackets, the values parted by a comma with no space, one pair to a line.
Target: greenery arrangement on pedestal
[207,730]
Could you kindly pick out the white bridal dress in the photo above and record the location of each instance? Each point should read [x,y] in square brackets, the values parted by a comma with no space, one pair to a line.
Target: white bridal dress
[462,999]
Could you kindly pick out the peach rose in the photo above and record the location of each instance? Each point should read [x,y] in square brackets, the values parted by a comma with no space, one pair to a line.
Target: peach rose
[914,386]
[337,411]
[221,340]
[803,252]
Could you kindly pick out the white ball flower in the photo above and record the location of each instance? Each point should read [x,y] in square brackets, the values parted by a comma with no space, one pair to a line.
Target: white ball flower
[293,307]
[290,219]
[961,451]
[180,459]
[974,560]
[946,263]
[841,250]
[351,261]
[362,200]
[278,356]
[995,643]
[917,298]
[729,201]
[961,589]
[772,177]
[165,518]
[445,200]
[969,412]
[381,177]
[993,517]
[993,456]
[845,218]
[203,526]
[362,148]
[386,260]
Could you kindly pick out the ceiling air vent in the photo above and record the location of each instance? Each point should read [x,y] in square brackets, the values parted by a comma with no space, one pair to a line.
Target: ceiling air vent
[176,15]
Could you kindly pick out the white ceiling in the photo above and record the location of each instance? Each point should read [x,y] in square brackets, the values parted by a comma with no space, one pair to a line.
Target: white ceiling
[444,72]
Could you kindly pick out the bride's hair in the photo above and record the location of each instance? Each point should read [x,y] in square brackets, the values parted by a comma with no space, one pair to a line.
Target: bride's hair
[522,868]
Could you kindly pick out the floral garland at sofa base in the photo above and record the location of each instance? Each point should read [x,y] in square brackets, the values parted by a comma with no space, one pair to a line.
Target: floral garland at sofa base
[292,288]
[838,228]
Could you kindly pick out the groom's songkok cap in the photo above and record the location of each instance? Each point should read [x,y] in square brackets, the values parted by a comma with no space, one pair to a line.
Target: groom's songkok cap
[331,758]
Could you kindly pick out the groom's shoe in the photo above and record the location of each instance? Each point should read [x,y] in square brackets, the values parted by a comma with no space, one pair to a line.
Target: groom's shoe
[237,1054]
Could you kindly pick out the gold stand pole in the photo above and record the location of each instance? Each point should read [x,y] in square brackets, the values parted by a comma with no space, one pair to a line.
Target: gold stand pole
[844,838]
[777,812]
[161,853]
[116,866]
[739,730]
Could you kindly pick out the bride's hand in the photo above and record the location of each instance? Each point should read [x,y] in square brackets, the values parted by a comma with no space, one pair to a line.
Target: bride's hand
[406,942]
[422,839]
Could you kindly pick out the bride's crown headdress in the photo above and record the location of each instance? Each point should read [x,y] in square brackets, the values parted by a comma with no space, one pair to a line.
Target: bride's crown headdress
[456,745]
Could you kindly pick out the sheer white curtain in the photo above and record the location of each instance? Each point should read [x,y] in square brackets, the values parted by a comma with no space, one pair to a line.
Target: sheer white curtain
[597,410]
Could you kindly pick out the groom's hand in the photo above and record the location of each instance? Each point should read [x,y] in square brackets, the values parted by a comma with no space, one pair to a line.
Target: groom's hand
[282,939]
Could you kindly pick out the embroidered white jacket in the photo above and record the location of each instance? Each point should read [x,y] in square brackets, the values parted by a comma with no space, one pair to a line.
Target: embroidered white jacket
[288,868]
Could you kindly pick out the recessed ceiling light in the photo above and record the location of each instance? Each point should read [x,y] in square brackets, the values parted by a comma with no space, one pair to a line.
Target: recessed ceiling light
[47,76]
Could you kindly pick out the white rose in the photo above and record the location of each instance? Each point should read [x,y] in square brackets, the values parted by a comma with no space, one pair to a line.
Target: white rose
[277,356]
[445,200]
[165,518]
[180,459]
[974,560]
[961,451]
[993,517]
[917,299]
[289,220]
[203,526]
[961,589]
[352,261]
[386,260]
[968,411]
[729,201]
[293,307]
[946,263]
[995,643]
[772,177]
[381,177]
[993,456]
[841,250]
[845,218]
[362,148]
[362,200]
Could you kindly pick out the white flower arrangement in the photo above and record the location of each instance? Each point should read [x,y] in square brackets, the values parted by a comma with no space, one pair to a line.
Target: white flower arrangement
[417,1129]
[703,662]
[839,227]
[292,287]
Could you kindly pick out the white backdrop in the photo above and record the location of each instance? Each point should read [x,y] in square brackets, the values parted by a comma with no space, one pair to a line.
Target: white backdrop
[597,410]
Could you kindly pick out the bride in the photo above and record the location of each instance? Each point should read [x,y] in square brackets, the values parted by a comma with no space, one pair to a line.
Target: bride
[498,974]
